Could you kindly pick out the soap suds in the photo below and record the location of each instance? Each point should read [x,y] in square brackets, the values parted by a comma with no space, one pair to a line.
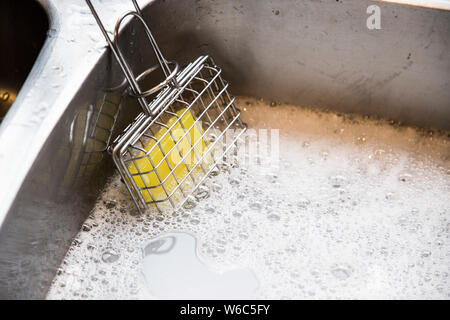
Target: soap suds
[356,207]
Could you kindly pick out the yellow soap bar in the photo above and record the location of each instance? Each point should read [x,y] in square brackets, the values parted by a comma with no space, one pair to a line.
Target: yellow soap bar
[154,168]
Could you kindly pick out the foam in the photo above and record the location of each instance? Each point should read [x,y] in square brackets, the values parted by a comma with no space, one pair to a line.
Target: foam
[356,208]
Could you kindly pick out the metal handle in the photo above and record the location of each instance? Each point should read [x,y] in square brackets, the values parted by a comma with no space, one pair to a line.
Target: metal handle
[132,80]
[163,63]
[170,78]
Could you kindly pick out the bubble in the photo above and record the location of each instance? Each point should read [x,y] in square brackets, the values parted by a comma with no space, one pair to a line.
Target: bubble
[337,181]
[303,203]
[341,272]
[202,193]
[379,153]
[220,249]
[291,249]
[234,181]
[190,203]
[361,139]
[256,206]
[405,177]
[210,210]
[217,187]
[425,254]
[110,204]
[389,196]
[237,214]
[243,235]
[110,256]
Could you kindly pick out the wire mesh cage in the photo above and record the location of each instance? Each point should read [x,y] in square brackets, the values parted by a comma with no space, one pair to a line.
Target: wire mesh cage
[164,159]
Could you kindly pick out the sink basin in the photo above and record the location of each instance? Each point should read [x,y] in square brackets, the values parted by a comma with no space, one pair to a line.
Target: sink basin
[22,33]
[312,53]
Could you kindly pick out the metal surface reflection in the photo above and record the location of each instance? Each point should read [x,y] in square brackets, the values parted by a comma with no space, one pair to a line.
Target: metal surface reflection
[90,134]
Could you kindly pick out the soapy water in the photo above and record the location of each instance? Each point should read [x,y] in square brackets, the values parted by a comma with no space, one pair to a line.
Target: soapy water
[355,208]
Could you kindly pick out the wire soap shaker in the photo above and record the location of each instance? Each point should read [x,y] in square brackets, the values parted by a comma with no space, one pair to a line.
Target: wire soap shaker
[165,155]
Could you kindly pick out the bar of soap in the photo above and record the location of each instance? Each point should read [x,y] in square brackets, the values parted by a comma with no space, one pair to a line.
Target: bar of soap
[154,172]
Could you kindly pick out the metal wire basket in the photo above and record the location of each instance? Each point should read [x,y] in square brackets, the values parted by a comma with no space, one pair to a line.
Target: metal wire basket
[166,154]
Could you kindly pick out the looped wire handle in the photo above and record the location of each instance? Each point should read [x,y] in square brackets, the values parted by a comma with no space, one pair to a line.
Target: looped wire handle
[132,80]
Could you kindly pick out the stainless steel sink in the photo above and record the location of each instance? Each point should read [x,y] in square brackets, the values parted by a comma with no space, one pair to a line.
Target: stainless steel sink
[22,33]
[313,53]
